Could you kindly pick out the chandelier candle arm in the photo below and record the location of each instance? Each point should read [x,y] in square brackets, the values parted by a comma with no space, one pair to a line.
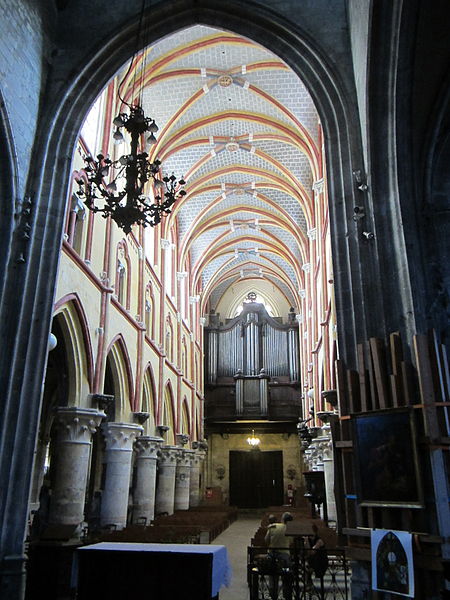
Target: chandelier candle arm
[129,206]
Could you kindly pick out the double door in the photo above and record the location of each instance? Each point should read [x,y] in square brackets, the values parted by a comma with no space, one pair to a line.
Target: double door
[256,478]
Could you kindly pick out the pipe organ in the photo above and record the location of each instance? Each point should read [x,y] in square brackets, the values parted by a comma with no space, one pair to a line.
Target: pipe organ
[249,355]
[251,342]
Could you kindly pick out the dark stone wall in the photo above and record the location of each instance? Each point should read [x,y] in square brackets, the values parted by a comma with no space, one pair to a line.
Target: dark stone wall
[25,50]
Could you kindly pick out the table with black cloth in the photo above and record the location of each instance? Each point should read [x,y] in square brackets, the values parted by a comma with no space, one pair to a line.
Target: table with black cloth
[160,571]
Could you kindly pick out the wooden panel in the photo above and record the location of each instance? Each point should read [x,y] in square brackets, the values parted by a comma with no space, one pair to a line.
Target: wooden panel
[378,354]
[362,379]
[354,391]
[340,384]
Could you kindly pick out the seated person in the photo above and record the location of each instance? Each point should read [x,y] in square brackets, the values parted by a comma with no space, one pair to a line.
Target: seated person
[318,559]
[279,545]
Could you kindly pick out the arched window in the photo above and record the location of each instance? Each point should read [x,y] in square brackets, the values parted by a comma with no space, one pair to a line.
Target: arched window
[168,415]
[197,372]
[169,264]
[149,312]
[169,341]
[185,421]
[184,357]
[75,223]
[148,405]
[122,285]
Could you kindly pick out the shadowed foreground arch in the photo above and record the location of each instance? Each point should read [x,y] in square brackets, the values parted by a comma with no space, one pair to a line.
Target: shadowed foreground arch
[25,317]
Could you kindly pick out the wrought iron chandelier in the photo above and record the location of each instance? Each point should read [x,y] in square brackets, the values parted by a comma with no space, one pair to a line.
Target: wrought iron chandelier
[117,188]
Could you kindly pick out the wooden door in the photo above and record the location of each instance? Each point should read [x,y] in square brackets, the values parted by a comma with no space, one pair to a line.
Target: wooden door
[256,479]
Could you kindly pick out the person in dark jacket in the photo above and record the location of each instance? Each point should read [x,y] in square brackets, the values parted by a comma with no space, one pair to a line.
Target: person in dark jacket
[317,561]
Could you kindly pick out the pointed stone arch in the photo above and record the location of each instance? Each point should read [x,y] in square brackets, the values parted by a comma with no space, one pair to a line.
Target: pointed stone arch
[71,309]
[148,402]
[75,81]
[122,379]
[185,418]
[304,55]
[169,416]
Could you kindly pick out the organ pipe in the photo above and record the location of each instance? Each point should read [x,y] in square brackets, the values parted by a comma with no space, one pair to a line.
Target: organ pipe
[250,342]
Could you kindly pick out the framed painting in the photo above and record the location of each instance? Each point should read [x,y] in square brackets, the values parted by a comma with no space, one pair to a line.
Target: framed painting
[385,450]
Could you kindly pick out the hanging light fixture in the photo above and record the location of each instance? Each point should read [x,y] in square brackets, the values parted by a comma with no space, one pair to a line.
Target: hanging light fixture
[117,188]
[253,440]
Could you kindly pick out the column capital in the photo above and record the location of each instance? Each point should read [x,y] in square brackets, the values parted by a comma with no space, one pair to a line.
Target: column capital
[147,446]
[77,424]
[121,436]
[168,455]
[184,458]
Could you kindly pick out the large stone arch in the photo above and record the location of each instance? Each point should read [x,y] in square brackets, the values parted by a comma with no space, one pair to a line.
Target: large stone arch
[76,81]
[334,100]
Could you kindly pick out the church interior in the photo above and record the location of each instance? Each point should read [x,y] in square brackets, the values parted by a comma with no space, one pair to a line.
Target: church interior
[225,287]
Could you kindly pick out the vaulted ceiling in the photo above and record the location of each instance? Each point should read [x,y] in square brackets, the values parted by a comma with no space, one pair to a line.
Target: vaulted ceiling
[241,128]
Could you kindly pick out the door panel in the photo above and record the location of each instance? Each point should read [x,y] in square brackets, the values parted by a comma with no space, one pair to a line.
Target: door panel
[256,478]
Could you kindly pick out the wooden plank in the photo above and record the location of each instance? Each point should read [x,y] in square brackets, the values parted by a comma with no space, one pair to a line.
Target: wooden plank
[437,367]
[340,386]
[424,371]
[395,344]
[371,377]
[408,383]
[446,372]
[397,390]
[396,379]
[439,377]
[380,371]
[362,378]
[354,391]
[343,444]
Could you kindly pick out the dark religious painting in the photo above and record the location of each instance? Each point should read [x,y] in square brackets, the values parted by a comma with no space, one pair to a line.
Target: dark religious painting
[386,459]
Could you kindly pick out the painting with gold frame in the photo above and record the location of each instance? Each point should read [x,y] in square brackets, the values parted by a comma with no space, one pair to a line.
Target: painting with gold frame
[385,450]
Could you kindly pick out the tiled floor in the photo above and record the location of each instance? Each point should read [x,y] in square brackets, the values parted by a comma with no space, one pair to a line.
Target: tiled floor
[236,539]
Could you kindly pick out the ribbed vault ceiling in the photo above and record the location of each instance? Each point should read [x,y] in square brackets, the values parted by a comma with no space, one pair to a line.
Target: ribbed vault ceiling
[241,128]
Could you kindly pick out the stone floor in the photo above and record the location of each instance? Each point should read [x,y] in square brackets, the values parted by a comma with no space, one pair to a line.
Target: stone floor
[236,539]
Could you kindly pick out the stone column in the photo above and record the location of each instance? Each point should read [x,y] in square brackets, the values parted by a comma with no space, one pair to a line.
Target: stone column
[182,480]
[194,483]
[165,489]
[328,468]
[144,492]
[119,439]
[75,428]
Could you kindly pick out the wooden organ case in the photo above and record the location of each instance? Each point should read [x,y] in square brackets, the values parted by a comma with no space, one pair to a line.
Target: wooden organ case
[252,367]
